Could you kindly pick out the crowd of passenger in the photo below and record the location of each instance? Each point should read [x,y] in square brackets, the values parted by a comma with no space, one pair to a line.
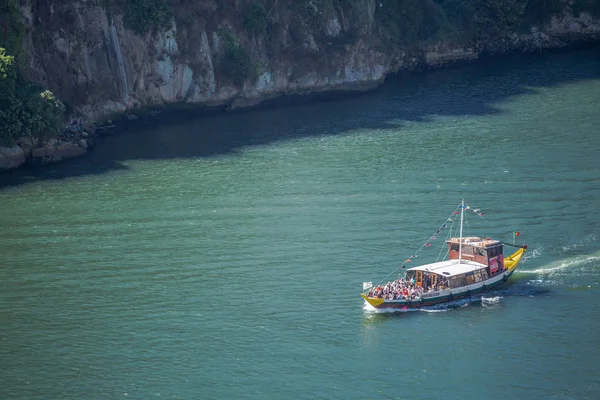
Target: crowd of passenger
[404,289]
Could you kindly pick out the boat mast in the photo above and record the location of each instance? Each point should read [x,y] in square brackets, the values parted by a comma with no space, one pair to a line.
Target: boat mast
[462,209]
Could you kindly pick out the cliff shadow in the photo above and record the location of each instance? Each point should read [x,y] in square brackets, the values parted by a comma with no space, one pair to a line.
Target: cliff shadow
[470,90]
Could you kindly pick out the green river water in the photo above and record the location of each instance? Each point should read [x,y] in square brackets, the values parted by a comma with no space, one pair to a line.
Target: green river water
[223,258]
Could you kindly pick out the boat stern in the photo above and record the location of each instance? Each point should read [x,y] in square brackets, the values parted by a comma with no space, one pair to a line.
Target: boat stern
[513,260]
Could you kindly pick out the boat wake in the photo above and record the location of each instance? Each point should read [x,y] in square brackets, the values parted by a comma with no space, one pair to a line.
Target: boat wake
[566,249]
[573,264]
[532,254]
[566,266]
[570,272]
[578,245]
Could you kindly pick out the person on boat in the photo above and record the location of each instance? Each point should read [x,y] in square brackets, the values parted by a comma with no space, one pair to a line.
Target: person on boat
[426,281]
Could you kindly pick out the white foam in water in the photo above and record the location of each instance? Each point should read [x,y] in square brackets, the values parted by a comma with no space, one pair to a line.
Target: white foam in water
[563,264]
[573,246]
[370,308]
[531,254]
[536,253]
[434,310]
[589,238]
[581,243]
[495,299]
[543,282]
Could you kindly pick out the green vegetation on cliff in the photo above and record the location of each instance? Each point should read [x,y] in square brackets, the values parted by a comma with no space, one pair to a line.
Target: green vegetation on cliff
[256,18]
[410,21]
[236,62]
[144,15]
[26,109]
[11,27]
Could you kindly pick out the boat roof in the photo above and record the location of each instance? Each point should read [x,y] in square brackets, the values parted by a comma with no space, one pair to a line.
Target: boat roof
[449,267]
[475,241]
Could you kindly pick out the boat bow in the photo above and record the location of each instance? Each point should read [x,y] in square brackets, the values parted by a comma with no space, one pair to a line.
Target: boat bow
[374,301]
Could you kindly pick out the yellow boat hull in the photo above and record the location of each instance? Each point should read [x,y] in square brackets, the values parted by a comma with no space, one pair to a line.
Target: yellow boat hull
[513,260]
[374,301]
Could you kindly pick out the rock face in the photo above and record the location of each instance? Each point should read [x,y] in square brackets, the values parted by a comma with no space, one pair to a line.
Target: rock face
[11,157]
[71,143]
[56,150]
[82,51]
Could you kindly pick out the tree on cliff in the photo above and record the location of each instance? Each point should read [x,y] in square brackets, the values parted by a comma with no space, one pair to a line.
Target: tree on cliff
[7,74]
[25,109]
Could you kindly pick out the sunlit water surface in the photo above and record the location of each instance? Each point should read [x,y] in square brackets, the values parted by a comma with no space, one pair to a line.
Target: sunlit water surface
[224,257]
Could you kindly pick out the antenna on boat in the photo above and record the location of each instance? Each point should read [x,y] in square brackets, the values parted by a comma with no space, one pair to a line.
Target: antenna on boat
[462,210]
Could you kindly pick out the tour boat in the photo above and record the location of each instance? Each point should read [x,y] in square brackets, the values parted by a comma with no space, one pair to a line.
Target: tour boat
[471,266]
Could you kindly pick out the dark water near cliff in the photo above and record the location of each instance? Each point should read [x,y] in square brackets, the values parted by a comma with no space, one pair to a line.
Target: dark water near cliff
[223,257]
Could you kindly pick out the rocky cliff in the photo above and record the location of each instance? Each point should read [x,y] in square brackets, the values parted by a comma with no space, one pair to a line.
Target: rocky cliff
[100,59]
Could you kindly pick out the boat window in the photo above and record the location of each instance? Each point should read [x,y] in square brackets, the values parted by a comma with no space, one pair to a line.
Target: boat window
[470,277]
[458,281]
[479,251]
[477,276]
[428,281]
[468,250]
[454,247]
[484,274]
[494,251]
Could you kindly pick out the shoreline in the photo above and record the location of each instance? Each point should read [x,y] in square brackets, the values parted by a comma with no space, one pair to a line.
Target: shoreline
[78,137]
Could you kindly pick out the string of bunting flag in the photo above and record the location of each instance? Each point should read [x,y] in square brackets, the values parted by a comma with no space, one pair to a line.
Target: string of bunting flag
[442,227]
